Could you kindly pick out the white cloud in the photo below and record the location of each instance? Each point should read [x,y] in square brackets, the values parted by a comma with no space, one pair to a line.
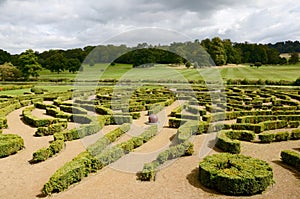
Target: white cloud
[76,23]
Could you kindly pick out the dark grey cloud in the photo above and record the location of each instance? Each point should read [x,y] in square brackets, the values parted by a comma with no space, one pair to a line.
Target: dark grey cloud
[48,24]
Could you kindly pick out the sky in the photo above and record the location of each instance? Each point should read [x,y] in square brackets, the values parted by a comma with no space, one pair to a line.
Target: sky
[63,24]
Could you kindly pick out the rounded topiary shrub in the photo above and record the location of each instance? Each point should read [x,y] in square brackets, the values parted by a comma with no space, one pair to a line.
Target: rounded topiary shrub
[10,144]
[235,174]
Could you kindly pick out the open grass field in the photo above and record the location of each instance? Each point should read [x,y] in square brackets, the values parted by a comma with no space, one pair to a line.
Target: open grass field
[103,71]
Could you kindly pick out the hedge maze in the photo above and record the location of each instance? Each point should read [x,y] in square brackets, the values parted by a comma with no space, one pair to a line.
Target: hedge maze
[235,115]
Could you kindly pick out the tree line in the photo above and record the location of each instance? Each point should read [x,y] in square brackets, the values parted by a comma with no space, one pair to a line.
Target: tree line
[207,52]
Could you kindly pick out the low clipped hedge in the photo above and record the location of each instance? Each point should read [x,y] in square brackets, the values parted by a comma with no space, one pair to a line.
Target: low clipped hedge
[86,163]
[235,174]
[10,144]
[279,136]
[257,128]
[51,129]
[176,110]
[71,172]
[45,153]
[81,132]
[9,108]
[120,119]
[107,139]
[295,134]
[150,169]
[227,144]
[3,122]
[291,158]
[41,105]
[58,113]
[31,120]
[72,109]
[155,108]
[227,140]
[190,128]
[103,110]
[176,122]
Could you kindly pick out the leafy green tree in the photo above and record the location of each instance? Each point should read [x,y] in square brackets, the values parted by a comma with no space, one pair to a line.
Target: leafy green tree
[56,63]
[29,65]
[9,72]
[294,59]
[73,65]
[4,56]
[217,51]
[233,55]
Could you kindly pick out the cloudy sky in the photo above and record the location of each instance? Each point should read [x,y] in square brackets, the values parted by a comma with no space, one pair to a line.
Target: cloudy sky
[49,24]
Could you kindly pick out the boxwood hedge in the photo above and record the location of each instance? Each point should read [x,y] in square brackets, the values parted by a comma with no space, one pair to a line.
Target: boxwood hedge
[291,158]
[235,174]
[10,144]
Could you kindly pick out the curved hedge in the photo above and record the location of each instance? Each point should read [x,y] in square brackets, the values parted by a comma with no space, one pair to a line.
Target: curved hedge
[10,144]
[235,174]
[228,140]
[291,158]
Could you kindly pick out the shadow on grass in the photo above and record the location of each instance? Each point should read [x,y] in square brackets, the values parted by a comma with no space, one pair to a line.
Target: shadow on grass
[285,166]
[194,181]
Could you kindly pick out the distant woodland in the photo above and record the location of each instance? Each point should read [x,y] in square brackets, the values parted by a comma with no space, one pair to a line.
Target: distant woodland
[208,52]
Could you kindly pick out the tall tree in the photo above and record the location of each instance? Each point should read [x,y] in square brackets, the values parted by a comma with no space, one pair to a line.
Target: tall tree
[29,65]
[56,63]
[4,56]
[294,59]
[217,50]
[233,55]
[9,72]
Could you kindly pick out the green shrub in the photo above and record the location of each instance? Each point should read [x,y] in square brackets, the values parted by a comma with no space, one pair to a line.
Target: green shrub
[226,144]
[149,170]
[135,115]
[266,138]
[71,173]
[31,120]
[10,144]
[3,122]
[257,128]
[103,111]
[176,111]
[271,125]
[120,119]
[240,135]
[185,131]
[51,129]
[295,134]
[41,155]
[235,174]
[291,158]
[81,119]
[9,108]
[294,124]
[110,137]
[176,122]
[156,108]
[73,109]
[282,136]
[25,102]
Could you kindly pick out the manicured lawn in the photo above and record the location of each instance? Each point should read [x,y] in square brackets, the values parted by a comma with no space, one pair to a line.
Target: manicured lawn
[162,72]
